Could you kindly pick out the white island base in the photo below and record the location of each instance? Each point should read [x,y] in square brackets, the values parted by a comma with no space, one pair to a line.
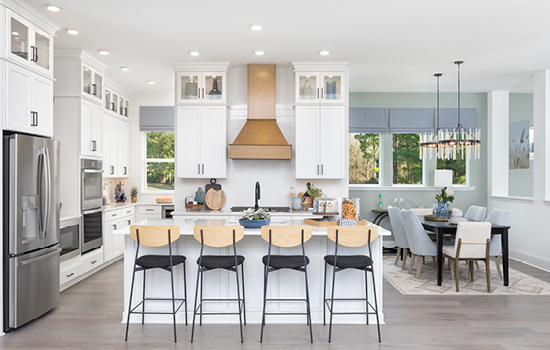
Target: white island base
[282,284]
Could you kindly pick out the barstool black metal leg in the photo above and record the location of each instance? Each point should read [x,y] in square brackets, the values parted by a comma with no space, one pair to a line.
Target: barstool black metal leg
[265,300]
[200,314]
[130,303]
[325,296]
[331,310]
[173,301]
[195,307]
[367,296]
[239,301]
[376,305]
[185,291]
[143,296]
[308,307]
[244,300]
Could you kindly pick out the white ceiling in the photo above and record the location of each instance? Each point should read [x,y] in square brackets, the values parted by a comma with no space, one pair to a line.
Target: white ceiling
[392,45]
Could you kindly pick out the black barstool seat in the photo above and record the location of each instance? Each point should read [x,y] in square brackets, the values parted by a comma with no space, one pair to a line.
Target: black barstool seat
[350,261]
[219,261]
[159,261]
[285,261]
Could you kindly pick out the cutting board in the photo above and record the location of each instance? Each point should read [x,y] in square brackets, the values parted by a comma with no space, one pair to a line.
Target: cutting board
[212,185]
[214,199]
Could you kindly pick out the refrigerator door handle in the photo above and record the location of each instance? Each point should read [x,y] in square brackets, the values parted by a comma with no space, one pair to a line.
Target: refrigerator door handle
[48,174]
[38,258]
[40,167]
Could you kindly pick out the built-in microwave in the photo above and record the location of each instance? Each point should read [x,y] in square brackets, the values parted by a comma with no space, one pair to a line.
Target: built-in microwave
[69,236]
[91,183]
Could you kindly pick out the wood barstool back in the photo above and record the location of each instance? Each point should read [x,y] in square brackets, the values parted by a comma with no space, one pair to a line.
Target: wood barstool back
[351,236]
[219,237]
[155,237]
[286,237]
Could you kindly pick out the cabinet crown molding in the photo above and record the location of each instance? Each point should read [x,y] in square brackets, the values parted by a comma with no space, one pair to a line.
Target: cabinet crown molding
[320,66]
[30,13]
[80,55]
[203,66]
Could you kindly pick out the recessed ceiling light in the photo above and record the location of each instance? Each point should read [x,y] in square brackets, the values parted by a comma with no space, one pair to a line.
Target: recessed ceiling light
[259,53]
[73,31]
[194,53]
[125,69]
[324,53]
[150,82]
[103,52]
[53,8]
[256,27]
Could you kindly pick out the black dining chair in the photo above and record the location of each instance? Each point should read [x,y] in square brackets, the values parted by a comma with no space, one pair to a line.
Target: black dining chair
[156,236]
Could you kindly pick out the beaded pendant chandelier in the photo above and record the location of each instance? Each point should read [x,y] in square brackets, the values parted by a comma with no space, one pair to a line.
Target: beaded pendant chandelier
[429,145]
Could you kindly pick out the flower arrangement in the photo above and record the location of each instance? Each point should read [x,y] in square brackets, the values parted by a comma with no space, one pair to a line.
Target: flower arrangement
[446,195]
[314,192]
[260,214]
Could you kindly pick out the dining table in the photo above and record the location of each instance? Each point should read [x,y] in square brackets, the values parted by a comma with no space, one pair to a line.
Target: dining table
[441,229]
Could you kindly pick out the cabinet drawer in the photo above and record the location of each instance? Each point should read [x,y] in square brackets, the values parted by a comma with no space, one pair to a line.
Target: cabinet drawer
[69,274]
[150,209]
[125,212]
[91,260]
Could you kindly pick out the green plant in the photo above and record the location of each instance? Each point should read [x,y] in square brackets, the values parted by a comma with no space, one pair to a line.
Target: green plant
[133,191]
[446,195]
[251,214]
[314,192]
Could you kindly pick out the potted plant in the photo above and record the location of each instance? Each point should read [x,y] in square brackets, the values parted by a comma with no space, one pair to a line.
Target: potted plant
[133,193]
[255,218]
[312,193]
[443,199]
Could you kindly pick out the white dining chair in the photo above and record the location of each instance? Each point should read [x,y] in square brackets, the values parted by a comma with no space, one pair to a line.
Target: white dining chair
[497,217]
[422,211]
[471,244]
[398,230]
[476,213]
[420,243]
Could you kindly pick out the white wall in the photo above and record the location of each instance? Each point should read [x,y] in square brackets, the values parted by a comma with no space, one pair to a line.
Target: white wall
[529,234]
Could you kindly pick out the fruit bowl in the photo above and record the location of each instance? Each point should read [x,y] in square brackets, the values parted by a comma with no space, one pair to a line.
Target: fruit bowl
[254,223]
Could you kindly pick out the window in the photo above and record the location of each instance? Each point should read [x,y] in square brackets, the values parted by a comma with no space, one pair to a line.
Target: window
[407,165]
[458,167]
[364,158]
[160,160]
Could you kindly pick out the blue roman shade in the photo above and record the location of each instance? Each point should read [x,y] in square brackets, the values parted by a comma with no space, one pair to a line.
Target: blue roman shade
[410,120]
[156,118]
[448,118]
[368,120]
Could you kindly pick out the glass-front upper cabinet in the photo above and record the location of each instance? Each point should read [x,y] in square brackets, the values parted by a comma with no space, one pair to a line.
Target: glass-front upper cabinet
[114,102]
[29,44]
[126,109]
[324,87]
[201,87]
[92,82]
[107,99]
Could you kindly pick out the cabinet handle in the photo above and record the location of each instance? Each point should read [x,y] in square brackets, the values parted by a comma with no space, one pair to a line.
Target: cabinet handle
[95,89]
[149,209]
[317,92]
[36,54]
[94,145]
[322,169]
[125,111]
[93,262]
[198,165]
[113,215]
[71,274]
[32,54]
[128,211]
[125,171]
[34,121]
[129,222]
[203,169]
[112,106]
[321,93]
[114,226]
[203,93]
[112,169]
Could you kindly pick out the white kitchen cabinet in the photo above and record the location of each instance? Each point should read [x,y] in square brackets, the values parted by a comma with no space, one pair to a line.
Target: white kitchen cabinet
[149,212]
[91,120]
[116,103]
[201,87]
[29,101]
[201,142]
[320,88]
[113,245]
[320,142]
[92,82]
[123,148]
[29,45]
[116,147]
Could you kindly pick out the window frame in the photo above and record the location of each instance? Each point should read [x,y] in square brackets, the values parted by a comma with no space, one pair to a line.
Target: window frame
[146,160]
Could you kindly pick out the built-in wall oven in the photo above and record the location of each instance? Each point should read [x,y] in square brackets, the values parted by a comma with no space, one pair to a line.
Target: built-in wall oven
[91,184]
[69,234]
[91,203]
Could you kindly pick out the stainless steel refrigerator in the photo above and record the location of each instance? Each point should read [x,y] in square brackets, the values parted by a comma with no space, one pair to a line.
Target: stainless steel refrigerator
[31,228]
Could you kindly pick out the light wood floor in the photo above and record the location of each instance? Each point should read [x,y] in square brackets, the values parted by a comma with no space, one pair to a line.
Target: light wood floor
[88,317]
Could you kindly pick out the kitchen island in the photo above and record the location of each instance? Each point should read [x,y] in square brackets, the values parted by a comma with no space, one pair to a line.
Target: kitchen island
[221,283]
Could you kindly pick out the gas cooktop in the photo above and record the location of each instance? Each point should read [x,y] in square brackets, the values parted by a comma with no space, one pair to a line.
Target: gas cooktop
[268,209]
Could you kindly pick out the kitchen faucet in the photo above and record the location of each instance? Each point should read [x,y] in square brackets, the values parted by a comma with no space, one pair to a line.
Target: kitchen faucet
[257,195]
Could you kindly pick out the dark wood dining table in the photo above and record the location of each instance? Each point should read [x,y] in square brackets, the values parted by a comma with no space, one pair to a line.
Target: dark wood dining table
[444,228]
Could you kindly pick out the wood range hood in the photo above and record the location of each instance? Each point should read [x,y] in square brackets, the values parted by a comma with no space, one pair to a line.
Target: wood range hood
[260,137]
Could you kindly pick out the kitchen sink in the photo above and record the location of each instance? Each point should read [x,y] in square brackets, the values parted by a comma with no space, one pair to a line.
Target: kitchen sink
[268,209]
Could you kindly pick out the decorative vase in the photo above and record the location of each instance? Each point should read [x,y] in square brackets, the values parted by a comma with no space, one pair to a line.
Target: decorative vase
[134,199]
[442,210]
[254,223]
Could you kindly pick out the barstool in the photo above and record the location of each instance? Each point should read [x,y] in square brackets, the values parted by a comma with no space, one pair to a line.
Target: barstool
[351,236]
[285,237]
[219,237]
[156,236]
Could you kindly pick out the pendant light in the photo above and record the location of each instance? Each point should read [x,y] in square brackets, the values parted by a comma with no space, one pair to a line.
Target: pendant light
[429,145]
[466,142]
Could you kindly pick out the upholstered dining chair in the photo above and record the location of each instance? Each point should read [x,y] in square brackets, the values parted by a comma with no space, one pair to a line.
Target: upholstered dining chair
[471,244]
[422,211]
[475,213]
[497,217]
[420,243]
[398,230]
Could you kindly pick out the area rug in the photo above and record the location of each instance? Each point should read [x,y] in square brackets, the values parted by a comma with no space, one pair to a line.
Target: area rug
[407,283]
